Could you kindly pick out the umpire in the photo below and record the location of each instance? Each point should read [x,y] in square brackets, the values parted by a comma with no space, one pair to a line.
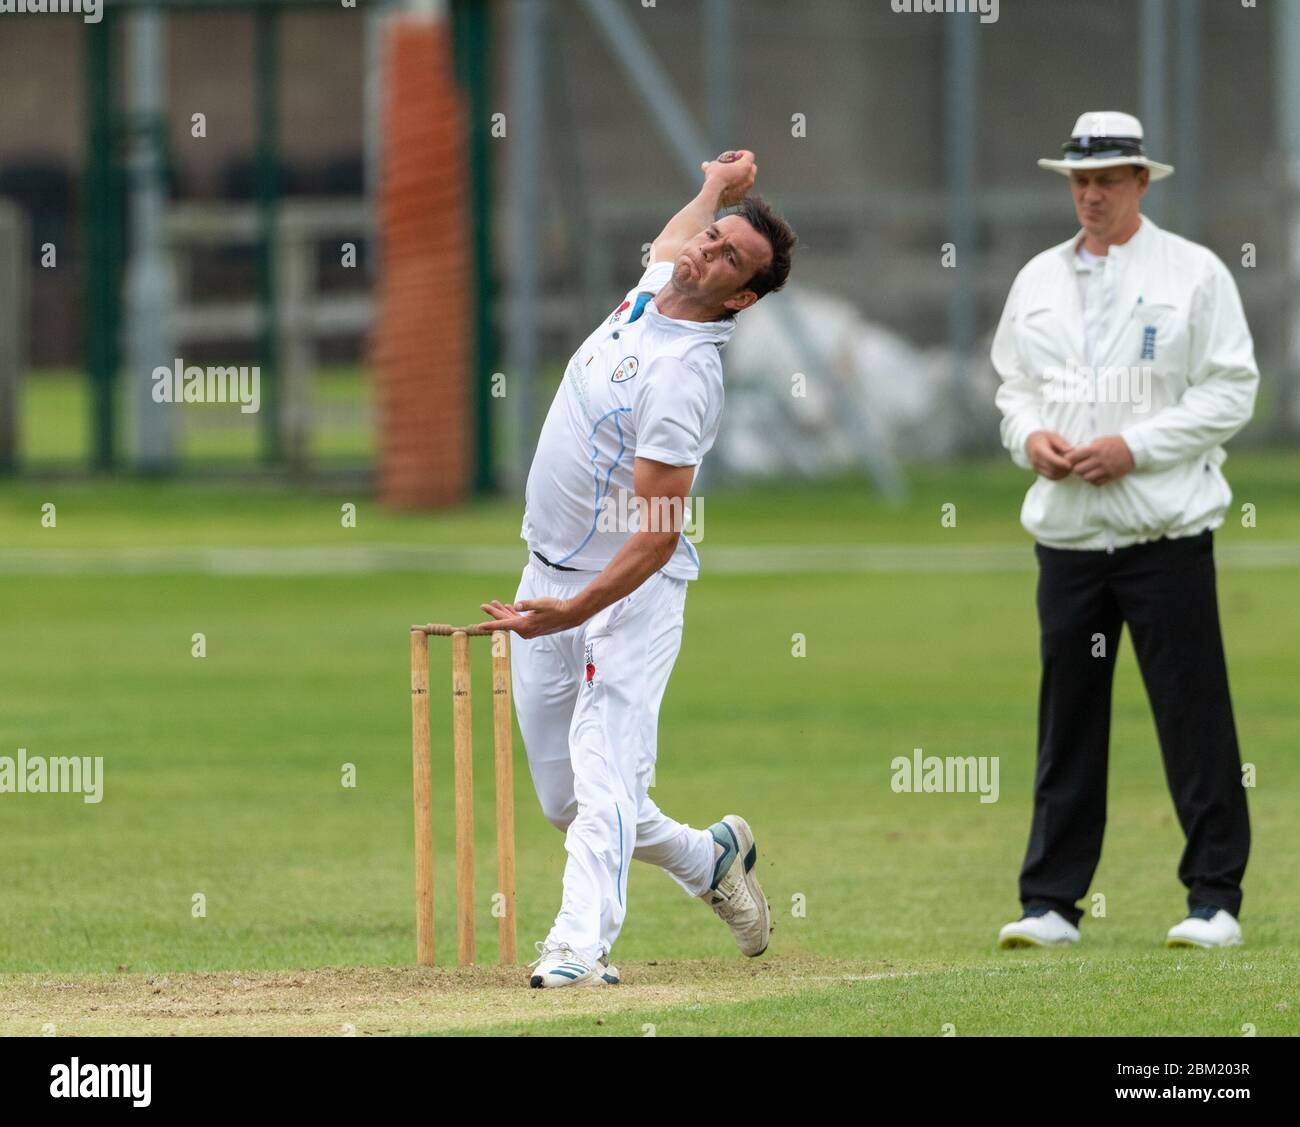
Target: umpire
[1126,363]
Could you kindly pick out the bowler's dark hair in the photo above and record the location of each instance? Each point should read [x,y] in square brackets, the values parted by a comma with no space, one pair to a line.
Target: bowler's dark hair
[758,213]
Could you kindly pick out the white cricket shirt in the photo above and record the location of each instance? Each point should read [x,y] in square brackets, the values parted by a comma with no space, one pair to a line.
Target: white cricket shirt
[642,385]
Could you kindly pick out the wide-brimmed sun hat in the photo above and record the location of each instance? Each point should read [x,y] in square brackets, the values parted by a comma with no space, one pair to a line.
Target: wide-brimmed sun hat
[1105,139]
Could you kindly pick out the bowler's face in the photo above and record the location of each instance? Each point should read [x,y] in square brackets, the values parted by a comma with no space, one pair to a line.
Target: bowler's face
[1107,200]
[721,259]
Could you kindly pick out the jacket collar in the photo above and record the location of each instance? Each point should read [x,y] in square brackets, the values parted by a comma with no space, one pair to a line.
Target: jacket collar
[1123,252]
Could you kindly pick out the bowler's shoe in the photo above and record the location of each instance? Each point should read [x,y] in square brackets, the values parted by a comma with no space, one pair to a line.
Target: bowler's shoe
[734,894]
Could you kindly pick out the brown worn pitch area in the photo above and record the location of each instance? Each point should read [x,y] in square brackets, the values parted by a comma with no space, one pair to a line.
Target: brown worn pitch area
[375,1001]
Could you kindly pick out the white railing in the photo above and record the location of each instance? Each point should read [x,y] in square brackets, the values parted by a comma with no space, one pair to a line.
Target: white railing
[305,315]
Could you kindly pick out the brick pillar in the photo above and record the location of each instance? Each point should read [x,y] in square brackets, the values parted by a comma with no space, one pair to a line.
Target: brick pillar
[423,332]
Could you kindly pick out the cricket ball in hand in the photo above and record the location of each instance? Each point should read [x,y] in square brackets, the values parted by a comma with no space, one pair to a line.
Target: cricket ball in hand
[728,158]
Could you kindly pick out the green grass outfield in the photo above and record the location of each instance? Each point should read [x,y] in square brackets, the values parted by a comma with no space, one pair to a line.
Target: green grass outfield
[223,775]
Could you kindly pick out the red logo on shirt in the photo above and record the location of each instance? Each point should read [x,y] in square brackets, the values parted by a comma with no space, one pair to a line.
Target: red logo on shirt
[591,671]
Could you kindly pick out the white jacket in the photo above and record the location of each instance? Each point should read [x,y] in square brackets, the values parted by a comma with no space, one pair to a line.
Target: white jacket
[1182,381]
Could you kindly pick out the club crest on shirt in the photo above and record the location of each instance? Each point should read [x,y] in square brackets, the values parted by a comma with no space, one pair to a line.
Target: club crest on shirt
[627,368]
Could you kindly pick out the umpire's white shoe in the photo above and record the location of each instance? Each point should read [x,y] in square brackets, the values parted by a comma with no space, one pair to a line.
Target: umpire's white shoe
[559,966]
[1205,927]
[735,895]
[1049,929]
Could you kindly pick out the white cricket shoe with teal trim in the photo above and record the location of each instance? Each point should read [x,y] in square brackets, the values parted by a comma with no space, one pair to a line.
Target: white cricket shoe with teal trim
[559,966]
[735,895]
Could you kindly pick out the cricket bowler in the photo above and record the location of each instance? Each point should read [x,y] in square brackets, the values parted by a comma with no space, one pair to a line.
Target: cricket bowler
[599,609]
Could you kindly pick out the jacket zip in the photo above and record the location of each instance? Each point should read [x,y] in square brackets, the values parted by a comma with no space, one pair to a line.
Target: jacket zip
[1100,497]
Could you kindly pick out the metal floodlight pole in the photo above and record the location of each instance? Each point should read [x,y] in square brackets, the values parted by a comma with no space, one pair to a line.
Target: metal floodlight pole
[372,92]
[525,123]
[267,174]
[149,284]
[102,228]
[961,100]
[472,28]
[718,62]
[1187,93]
[1288,143]
[578,221]
[1151,76]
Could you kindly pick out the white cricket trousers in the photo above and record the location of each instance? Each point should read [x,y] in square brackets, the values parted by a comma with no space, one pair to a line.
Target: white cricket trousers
[588,707]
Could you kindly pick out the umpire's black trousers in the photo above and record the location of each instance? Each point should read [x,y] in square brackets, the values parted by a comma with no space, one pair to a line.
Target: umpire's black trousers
[1165,591]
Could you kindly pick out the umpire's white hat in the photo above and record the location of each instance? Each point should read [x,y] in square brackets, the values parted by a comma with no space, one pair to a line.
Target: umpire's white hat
[1105,139]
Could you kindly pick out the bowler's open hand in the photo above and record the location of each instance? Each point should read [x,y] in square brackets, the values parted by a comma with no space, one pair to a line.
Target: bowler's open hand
[531,618]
